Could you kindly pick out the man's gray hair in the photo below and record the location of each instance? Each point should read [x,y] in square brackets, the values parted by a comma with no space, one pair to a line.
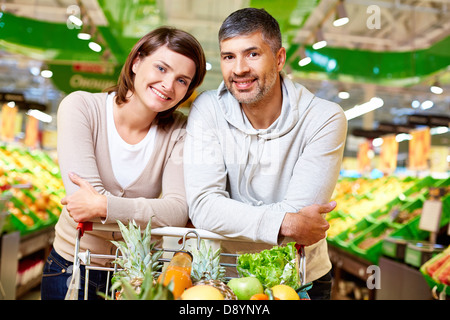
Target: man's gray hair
[249,20]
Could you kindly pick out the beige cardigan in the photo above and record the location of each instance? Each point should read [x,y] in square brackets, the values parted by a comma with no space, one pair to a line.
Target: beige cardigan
[83,149]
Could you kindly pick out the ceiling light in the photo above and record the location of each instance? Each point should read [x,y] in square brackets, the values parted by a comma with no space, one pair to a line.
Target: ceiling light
[95,46]
[415,104]
[75,20]
[402,137]
[436,88]
[208,66]
[341,14]
[84,36]
[344,95]
[427,104]
[366,107]
[41,116]
[304,59]
[46,73]
[320,41]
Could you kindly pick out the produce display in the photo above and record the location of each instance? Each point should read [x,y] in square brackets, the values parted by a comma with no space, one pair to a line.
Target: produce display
[32,182]
[437,271]
[371,210]
[198,275]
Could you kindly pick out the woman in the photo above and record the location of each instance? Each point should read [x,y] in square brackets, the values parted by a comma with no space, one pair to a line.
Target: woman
[127,146]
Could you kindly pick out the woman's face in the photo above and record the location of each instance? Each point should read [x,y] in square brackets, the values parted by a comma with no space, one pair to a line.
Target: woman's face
[162,78]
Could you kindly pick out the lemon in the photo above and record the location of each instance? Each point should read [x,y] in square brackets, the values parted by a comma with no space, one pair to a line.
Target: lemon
[284,292]
[202,292]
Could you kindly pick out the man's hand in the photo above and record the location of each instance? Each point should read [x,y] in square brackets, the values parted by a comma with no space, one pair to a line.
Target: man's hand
[86,203]
[308,225]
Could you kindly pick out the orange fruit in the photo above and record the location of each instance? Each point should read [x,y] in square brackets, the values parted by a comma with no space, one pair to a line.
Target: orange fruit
[259,296]
[181,279]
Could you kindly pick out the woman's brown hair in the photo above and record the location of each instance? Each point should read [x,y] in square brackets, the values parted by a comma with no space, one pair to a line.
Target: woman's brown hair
[176,40]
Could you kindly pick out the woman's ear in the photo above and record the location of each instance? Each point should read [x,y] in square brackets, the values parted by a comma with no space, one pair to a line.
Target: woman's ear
[135,64]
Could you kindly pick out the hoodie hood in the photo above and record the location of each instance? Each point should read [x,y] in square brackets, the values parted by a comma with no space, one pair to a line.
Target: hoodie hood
[295,99]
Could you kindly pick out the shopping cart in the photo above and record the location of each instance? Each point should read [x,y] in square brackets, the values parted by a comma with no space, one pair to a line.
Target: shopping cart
[184,234]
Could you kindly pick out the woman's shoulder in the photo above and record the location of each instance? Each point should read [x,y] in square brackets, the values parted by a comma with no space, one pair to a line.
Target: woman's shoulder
[84,97]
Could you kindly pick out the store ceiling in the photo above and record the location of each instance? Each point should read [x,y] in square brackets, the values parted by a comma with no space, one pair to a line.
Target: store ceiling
[396,57]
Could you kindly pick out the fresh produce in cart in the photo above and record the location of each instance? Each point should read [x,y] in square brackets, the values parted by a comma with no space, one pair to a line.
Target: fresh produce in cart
[278,265]
[207,270]
[198,275]
[138,257]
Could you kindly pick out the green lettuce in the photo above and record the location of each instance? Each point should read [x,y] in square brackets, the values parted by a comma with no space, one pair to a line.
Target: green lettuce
[277,265]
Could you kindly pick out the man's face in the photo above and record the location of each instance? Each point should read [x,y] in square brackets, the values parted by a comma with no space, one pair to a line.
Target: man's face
[250,68]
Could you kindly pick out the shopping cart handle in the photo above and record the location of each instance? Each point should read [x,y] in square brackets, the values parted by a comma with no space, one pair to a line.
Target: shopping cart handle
[84,226]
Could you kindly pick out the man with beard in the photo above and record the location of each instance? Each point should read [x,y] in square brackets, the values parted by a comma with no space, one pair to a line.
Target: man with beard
[263,154]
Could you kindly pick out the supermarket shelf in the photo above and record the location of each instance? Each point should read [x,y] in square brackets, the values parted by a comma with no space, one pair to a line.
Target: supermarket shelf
[13,248]
[345,262]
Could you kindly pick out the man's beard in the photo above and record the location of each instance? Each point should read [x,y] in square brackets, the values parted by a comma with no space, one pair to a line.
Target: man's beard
[261,90]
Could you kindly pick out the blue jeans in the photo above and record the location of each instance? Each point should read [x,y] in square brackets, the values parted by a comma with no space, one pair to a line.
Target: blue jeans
[57,275]
[321,289]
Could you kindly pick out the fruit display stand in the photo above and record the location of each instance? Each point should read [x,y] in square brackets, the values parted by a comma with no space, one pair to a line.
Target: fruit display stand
[31,183]
[383,228]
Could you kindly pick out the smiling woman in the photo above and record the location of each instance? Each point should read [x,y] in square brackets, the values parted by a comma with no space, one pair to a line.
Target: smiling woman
[120,152]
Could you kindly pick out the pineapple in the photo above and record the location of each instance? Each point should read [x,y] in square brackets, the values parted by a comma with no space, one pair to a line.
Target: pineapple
[206,269]
[137,256]
[149,289]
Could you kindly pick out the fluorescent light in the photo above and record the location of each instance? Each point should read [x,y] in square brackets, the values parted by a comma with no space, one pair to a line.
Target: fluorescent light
[95,46]
[41,116]
[415,104]
[366,107]
[75,20]
[84,36]
[377,142]
[439,130]
[436,89]
[320,40]
[402,137]
[46,73]
[303,62]
[319,45]
[304,59]
[344,95]
[340,22]
[11,104]
[427,104]
[342,17]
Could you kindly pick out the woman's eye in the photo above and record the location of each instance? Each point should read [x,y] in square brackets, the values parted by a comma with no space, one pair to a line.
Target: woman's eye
[182,81]
[162,69]
[253,55]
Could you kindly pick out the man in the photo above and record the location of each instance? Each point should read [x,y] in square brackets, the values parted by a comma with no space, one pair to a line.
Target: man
[262,154]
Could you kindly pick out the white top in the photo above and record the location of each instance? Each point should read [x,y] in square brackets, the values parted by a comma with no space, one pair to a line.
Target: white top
[127,160]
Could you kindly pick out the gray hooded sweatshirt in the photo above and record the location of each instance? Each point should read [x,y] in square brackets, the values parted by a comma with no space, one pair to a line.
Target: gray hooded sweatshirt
[241,181]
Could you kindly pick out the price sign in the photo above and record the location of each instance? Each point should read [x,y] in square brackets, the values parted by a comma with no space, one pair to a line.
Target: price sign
[431,215]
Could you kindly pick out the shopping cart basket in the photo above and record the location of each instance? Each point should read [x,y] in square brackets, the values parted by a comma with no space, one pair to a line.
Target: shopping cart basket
[177,232]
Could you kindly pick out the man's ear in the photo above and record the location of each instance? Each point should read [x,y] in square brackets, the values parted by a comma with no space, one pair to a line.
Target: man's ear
[281,58]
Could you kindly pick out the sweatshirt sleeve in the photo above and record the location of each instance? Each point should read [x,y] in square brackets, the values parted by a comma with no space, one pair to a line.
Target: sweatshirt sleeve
[210,205]
[75,144]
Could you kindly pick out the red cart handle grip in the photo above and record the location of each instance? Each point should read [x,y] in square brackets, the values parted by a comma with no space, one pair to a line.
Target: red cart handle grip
[84,226]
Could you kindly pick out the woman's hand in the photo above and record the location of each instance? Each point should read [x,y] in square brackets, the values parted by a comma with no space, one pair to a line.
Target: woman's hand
[86,203]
